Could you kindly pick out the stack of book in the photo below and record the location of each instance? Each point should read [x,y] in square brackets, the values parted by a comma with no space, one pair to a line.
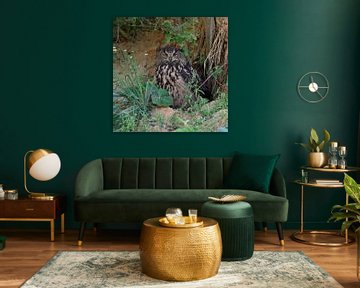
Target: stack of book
[327,181]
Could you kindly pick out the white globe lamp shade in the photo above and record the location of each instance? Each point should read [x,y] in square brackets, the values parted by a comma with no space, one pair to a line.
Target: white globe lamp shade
[44,164]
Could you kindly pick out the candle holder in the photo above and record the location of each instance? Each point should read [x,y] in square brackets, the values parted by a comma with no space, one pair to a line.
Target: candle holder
[342,153]
[304,176]
[333,149]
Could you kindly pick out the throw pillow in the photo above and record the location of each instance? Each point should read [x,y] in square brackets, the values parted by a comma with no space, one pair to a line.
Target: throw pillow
[251,172]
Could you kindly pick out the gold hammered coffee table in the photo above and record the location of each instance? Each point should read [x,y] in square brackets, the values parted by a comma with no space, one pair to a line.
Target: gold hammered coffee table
[180,254]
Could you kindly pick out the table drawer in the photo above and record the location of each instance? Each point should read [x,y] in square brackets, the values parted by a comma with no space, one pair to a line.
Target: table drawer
[28,209]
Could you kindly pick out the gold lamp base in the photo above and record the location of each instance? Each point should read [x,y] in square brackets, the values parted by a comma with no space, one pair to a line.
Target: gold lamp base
[41,196]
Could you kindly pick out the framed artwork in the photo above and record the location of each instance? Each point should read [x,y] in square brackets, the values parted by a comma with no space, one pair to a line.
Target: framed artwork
[170,74]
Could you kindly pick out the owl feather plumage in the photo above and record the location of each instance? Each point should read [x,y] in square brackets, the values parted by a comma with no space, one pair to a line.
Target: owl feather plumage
[175,74]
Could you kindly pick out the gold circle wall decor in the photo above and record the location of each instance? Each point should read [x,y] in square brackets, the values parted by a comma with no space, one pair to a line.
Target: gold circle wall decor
[313,87]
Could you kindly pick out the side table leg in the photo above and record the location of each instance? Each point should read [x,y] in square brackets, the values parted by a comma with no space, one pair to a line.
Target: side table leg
[302,210]
[63,223]
[52,230]
[346,230]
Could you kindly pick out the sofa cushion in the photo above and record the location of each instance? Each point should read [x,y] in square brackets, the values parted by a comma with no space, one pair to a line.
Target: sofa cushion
[266,207]
[164,173]
[251,172]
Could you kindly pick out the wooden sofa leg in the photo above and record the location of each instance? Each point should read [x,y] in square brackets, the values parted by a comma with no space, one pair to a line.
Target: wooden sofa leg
[265,227]
[81,233]
[280,233]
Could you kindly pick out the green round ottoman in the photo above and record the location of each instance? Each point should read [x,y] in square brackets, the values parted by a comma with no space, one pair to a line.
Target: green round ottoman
[236,221]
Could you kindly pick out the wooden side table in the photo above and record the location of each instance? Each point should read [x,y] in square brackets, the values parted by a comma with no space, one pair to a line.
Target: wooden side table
[26,209]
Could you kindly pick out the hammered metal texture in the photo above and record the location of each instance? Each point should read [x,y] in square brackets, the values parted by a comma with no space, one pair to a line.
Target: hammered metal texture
[185,254]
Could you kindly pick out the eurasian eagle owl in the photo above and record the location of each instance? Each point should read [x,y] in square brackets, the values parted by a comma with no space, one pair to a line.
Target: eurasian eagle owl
[175,74]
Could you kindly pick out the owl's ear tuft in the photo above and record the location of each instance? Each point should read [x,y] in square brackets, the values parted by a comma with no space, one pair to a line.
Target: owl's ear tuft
[172,45]
[176,46]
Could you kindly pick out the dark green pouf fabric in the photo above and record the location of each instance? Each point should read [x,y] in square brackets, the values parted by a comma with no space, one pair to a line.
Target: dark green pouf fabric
[236,223]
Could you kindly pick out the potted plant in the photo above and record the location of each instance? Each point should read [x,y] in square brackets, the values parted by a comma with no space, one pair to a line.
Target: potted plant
[350,213]
[317,157]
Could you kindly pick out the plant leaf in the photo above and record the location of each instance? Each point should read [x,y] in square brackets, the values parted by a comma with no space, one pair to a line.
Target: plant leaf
[314,136]
[336,216]
[346,225]
[313,145]
[161,97]
[321,146]
[307,146]
[326,136]
[352,207]
[352,188]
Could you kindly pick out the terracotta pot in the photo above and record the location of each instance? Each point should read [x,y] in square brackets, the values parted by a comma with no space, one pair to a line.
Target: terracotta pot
[317,159]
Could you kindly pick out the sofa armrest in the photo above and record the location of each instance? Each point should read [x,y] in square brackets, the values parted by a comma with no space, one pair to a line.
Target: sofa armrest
[89,179]
[277,184]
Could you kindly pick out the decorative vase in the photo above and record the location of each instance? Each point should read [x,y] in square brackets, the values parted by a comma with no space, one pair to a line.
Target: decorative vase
[317,159]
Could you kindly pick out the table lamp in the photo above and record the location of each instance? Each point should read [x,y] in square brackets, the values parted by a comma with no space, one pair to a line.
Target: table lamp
[43,165]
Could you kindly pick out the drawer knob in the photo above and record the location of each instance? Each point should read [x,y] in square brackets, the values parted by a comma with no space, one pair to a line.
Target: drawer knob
[29,209]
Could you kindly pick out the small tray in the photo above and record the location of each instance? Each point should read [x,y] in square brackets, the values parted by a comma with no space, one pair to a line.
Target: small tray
[164,222]
[228,198]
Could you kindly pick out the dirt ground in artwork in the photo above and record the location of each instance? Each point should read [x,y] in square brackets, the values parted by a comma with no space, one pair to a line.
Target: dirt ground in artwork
[143,50]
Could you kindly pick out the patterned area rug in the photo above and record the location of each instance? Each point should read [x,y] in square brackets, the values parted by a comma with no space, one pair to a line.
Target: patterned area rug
[122,269]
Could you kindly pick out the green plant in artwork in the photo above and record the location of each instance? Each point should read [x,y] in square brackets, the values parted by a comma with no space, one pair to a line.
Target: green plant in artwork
[159,97]
[134,94]
[183,34]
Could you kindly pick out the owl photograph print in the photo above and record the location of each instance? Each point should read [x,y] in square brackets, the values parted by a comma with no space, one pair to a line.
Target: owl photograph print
[170,74]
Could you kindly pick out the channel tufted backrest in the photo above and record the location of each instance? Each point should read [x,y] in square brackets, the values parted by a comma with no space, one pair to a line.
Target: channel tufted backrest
[165,173]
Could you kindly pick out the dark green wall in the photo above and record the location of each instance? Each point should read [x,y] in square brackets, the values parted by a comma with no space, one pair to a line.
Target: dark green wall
[56,86]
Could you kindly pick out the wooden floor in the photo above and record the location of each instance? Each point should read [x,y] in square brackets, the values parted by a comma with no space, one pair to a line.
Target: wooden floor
[28,250]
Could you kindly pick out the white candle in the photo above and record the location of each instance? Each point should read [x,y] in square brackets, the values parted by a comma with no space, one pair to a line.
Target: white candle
[342,149]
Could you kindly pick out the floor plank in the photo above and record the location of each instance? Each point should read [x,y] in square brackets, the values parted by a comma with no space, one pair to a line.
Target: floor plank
[28,250]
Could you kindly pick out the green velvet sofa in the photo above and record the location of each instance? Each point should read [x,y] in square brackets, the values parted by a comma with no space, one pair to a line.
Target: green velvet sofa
[130,190]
